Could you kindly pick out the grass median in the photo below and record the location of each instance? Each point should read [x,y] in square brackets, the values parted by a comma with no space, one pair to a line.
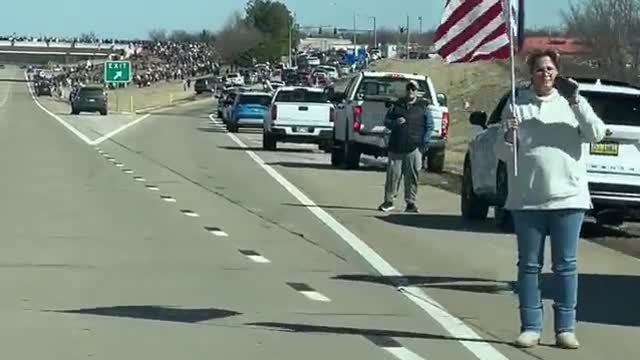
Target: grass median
[132,98]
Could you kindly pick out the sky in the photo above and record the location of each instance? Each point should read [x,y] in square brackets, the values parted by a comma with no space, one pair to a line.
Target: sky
[134,18]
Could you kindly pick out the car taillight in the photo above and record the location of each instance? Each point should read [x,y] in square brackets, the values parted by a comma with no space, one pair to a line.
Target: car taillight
[274,113]
[357,118]
[332,115]
[445,124]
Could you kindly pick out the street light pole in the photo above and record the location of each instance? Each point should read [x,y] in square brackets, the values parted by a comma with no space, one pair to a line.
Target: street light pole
[375,34]
[354,31]
[408,31]
[420,20]
[290,37]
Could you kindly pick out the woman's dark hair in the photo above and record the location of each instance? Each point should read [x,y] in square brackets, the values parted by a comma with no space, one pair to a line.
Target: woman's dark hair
[540,53]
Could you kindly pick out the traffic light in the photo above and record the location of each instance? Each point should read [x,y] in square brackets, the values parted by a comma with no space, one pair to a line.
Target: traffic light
[319,30]
[401,30]
[335,31]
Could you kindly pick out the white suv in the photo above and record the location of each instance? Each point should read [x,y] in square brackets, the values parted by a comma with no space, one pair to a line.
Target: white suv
[613,165]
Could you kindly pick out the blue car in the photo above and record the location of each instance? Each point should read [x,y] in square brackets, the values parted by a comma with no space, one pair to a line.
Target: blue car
[248,111]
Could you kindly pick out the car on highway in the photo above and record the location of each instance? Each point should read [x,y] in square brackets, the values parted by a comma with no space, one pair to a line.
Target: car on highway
[299,115]
[235,79]
[91,98]
[205,84]
[613,170]
[248,110]
[361,110]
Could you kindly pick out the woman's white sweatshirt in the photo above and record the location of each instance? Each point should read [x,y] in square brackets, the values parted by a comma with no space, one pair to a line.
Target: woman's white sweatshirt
[552,173]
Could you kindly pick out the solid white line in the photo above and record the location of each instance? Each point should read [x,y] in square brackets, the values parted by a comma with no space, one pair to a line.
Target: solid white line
[454,326]
[74,130]
[403,353]
[6,95]
[315,296]
[259,259]
[118,130]
[64,123]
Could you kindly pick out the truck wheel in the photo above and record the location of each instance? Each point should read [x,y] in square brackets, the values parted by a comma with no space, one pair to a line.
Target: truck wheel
[232,128]
[435,160]
[352,156]
[503,218]
[103,112]
[268,142]
[473,207]
[337,155]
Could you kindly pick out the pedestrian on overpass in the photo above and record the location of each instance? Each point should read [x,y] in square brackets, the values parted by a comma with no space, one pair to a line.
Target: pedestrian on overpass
[411,126]
[550,194]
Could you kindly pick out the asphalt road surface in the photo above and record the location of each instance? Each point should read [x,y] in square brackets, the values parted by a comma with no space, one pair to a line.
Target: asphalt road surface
[173,239]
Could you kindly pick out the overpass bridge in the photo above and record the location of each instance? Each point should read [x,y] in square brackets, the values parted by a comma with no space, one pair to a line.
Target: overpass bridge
[41,52]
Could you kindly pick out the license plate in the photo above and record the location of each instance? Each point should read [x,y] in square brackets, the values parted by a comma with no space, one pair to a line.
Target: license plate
[303,130]
[607,148]
[92,100]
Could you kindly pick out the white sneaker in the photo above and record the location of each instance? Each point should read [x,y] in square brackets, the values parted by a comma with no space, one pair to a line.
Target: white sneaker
[567,340]
[528,339]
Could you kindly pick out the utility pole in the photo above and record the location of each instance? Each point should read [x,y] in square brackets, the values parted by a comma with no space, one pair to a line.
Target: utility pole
[420,20]
[291,24]
[375,34]
[354,32]
[408,31]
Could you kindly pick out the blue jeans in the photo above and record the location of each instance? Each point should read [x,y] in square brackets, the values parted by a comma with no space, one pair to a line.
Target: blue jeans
[563,228]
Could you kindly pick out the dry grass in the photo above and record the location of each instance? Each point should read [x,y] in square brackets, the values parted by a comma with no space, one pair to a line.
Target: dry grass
[480,84]
[161,94]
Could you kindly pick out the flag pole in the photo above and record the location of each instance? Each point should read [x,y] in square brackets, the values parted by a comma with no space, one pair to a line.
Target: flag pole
[512,60]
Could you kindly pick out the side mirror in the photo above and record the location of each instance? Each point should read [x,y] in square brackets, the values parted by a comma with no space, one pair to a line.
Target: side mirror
[478,118]
[442,99]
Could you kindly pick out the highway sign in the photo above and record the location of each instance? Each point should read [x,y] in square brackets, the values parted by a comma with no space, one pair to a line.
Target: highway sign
[117,71]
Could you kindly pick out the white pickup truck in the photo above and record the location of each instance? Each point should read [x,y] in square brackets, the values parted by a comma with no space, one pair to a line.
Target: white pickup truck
[361,110]
[299,115]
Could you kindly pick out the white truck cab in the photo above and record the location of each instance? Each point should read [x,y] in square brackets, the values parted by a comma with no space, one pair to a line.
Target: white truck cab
[361,110]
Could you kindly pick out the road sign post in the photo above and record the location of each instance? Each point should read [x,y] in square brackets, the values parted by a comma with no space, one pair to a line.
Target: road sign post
[117,72]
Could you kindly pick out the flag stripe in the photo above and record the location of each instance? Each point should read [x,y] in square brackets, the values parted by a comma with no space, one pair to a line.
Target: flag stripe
[476,14]
[475,31]
[457,12]
[495,40]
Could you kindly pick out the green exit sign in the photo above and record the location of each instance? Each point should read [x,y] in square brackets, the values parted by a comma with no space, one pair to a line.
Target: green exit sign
[117,71]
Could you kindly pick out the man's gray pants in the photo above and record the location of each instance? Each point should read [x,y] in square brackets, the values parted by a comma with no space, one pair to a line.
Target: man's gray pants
[399,164]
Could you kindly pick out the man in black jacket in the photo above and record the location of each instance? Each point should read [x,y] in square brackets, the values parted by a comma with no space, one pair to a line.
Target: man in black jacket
[411,126]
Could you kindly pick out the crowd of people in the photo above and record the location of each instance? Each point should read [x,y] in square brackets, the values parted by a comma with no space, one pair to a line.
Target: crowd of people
[151,62]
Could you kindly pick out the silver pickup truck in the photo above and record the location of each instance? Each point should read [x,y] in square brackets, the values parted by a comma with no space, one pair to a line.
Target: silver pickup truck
[361,109]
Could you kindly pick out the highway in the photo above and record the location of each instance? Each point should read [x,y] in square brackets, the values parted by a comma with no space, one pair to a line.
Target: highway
[174,239]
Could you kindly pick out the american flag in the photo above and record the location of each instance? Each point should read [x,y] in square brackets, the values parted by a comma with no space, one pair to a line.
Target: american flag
[472,30]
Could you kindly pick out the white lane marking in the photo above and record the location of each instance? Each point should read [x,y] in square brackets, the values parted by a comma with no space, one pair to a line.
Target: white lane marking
[315,296]
[153,188]
[119,130]
[216,231]
[6,95]
[258,259]
[168,198]
[403,353]
[139,178]
[119,165]
[190,213]
[454,326]
[75,131]
[112,160]
[127,171]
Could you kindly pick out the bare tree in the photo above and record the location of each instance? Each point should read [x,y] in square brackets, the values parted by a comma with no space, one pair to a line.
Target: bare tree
[236,39]
[612,29]
[158,35]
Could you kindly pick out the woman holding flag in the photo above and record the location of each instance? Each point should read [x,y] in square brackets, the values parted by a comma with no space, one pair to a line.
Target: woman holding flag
[541,142]
[550,194]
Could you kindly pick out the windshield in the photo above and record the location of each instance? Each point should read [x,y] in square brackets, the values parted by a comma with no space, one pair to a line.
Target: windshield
[301,95]
[615,109]
[390,86]
[91,92]
[263,100]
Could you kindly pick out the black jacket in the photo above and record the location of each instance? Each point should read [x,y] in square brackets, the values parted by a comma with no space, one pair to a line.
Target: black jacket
[415,132]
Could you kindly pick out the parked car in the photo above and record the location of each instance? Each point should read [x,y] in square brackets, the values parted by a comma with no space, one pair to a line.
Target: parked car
[90,99]
[299,115]
[613,171]
[248,110]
